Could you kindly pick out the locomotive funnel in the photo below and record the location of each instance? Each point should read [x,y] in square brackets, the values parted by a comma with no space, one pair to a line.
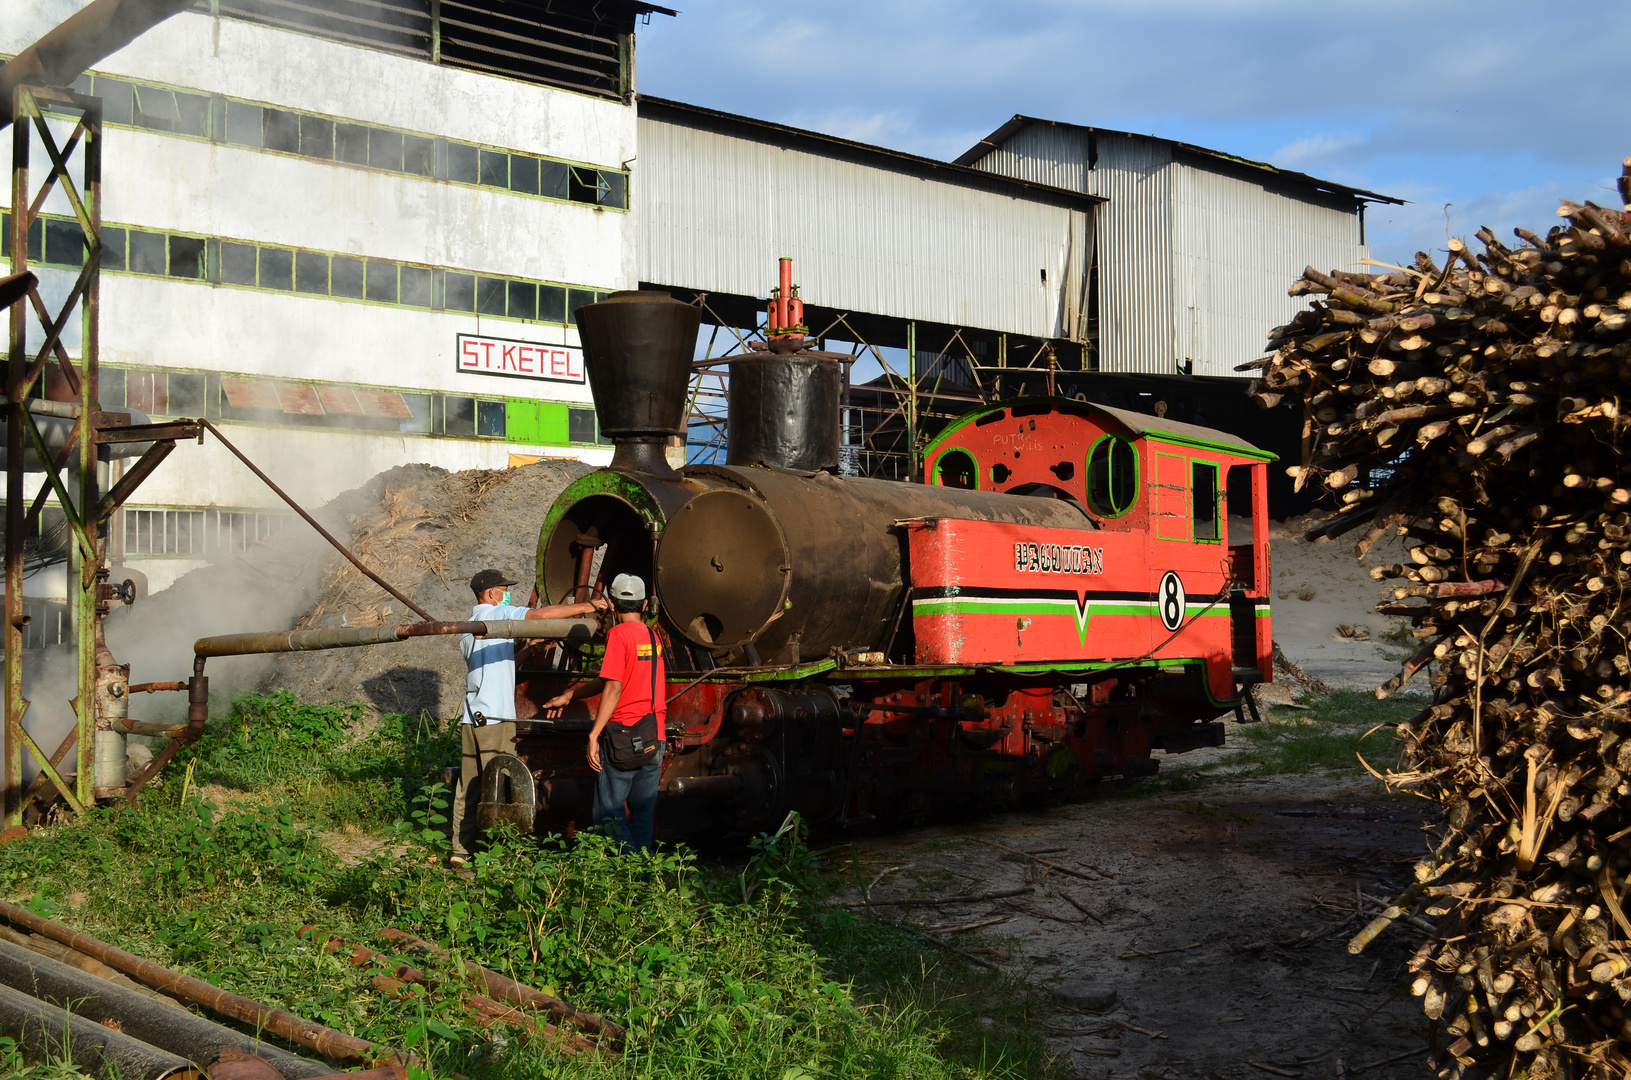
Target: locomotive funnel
[784,410]
[637,350]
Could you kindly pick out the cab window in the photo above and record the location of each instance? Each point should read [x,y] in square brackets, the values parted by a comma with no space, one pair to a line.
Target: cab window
[956,469]
[1203,488]
[1112,476]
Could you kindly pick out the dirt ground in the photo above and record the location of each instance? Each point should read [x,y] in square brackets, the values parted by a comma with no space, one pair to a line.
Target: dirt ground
[1318,589]
[1221,918]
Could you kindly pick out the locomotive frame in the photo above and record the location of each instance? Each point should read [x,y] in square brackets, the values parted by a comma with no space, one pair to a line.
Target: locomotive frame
[1056,598]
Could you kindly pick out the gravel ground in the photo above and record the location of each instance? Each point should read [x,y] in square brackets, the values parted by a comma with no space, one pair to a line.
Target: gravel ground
[1220,920]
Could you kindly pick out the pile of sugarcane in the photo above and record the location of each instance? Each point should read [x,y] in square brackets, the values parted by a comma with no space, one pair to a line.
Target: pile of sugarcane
[1474,409]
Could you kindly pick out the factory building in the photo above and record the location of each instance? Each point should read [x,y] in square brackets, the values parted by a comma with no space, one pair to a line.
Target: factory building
[352,235]
[1049,259]
[1193,248]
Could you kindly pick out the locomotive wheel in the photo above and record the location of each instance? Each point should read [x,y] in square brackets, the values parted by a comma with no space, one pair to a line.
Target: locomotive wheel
[507,794]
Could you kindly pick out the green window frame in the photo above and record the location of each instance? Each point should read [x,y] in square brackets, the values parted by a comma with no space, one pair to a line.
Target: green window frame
[1112,479]
[1205,494]
[55,241]
[964,462]
[192,114]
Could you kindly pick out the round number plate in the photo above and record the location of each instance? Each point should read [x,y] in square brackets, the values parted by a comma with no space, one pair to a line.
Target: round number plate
[1171,600]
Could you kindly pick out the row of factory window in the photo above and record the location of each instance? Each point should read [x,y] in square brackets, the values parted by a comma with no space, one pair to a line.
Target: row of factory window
[59,241]
[323,138]
[247,399]
[197,533]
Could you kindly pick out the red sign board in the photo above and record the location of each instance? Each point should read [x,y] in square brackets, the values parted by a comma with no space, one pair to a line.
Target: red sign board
[480,355]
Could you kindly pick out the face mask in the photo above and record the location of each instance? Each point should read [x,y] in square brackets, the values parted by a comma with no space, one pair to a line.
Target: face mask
[506,598]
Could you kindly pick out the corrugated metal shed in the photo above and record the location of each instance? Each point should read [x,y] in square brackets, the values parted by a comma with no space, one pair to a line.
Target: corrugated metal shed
[1195,247]
[1236,248]
[719,198]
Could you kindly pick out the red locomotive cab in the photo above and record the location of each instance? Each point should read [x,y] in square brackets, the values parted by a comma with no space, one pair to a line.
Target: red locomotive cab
[1175,568]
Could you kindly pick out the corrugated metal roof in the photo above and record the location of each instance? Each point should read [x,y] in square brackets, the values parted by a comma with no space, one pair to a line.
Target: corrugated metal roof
[679,112]
[1020,122]
[869,231]
[1142,424]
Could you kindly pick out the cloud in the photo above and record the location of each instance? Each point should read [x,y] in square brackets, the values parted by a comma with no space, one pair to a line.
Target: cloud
[1310,152]
[1482,107]
[1467,100]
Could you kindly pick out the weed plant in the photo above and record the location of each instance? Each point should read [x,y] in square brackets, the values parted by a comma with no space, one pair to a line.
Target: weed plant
[717,971]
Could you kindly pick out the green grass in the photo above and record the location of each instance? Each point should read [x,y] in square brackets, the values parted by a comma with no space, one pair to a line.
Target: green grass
[723,969]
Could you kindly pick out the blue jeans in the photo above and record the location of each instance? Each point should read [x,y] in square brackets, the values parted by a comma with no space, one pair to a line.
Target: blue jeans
[637,789]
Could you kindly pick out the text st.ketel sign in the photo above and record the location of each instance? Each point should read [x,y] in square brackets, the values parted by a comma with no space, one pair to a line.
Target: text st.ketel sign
[504,357]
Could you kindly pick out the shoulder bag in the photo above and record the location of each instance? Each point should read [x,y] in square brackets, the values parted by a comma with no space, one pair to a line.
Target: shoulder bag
[628,747]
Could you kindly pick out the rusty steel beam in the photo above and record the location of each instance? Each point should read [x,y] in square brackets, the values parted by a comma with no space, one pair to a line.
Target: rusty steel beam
[115,434]
[96,31]
[127,484]
[324,533]
[14,287]
[510,991]
[11,770]
[335,1045]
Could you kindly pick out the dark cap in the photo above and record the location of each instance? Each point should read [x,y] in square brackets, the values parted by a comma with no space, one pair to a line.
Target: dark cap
[488,579]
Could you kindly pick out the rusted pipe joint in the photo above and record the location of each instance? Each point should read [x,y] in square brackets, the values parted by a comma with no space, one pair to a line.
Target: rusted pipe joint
[198,700]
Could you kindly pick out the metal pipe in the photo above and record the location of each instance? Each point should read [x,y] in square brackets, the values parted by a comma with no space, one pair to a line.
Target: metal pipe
[96,31]
[155,731]
[63,410]
[508,990]
[282,641]
[324,533]
[335,1045]
[155,1022]
[47,1032]
[155,687]
[967,714]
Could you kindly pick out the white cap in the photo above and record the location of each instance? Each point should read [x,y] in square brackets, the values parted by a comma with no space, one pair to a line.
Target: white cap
[628,588]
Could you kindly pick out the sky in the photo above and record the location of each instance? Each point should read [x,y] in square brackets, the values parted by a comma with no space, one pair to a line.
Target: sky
[1475,113]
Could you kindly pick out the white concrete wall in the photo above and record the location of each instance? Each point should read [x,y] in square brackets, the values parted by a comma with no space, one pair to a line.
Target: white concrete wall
[279,67]
[161,182]
[313,466]
[168,323]
[237,192]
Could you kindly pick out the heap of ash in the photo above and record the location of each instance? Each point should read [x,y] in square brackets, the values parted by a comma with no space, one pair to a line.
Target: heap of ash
[423,529]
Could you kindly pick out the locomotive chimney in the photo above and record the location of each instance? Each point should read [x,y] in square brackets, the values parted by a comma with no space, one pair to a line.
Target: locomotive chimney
[637,349]
[785,399]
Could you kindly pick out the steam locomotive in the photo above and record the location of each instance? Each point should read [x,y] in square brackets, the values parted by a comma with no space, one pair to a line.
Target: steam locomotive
[1056,597]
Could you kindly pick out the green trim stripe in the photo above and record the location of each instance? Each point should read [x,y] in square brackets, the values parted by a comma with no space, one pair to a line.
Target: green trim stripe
[1083,614]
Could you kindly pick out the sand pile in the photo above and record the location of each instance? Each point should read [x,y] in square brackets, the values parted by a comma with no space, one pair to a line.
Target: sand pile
[426,532]
[422,528]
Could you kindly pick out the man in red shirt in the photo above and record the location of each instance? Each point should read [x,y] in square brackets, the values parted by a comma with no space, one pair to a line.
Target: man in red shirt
[631,684]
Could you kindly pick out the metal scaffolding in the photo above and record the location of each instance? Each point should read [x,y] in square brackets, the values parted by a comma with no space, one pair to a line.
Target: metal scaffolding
[45,383]
[887,421]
